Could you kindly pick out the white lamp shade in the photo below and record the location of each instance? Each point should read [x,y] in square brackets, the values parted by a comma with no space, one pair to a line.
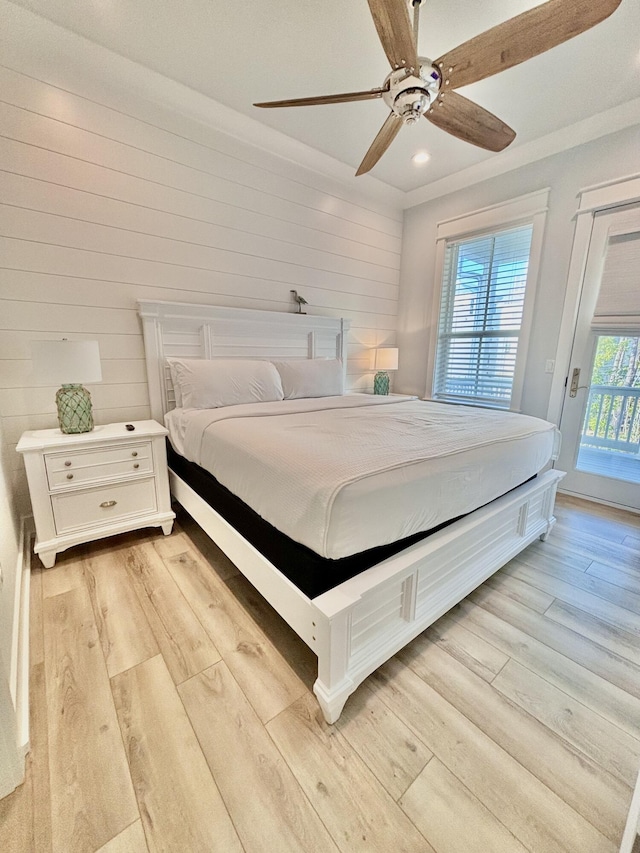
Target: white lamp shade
[386,358]
[66,362]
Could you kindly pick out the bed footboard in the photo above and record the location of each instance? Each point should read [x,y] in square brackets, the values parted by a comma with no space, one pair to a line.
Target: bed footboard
[358,625]
[367,619]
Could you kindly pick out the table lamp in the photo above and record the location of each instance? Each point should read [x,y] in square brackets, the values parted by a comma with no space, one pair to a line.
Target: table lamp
[386,358]
[69,363]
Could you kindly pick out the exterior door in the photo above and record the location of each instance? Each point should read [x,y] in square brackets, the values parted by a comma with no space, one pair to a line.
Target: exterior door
[600,421]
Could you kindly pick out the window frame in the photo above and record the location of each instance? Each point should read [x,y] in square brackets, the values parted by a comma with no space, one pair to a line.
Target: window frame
[531,208]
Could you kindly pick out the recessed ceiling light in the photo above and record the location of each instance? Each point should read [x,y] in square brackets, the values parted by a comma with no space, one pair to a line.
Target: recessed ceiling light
[420,158]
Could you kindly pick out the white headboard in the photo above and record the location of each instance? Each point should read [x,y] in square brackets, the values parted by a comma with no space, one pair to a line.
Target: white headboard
[183,330]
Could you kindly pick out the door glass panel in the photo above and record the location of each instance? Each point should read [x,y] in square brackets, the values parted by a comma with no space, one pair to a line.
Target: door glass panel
[610,440]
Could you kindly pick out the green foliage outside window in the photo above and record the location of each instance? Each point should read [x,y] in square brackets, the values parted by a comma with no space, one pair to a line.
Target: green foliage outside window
[613,416]
[617,362]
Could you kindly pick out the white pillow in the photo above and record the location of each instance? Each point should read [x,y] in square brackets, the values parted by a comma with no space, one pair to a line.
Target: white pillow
[311,377]
[209,384]
[175,382]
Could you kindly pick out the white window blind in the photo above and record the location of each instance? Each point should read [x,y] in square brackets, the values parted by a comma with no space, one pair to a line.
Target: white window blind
[483,292]
[618,305]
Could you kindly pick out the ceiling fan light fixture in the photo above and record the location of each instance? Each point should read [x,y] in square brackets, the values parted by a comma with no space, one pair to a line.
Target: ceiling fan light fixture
[410,95]
[411,104]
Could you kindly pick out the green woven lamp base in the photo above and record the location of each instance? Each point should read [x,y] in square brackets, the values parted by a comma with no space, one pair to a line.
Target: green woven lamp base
[74,409]
[381,382]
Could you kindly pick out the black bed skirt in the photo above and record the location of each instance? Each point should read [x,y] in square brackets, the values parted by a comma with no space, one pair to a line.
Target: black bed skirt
[310,572]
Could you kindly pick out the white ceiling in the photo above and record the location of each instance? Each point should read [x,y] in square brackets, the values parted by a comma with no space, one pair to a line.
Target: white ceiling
[241,52]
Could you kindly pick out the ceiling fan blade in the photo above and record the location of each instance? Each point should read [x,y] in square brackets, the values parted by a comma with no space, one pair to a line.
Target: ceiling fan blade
[521,38]
[324,99]
[391,18]
[383,140]
[468,121]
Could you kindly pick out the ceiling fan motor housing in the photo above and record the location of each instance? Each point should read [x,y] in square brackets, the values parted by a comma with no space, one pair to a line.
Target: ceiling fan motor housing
[410,96]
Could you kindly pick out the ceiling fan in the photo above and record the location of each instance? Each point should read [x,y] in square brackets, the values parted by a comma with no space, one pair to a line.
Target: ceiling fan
[417,87]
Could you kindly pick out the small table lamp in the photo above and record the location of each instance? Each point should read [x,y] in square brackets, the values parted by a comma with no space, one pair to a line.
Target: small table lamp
[386,358]
[69,363]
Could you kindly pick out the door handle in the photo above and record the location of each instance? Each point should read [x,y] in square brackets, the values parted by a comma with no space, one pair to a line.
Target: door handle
[575,379]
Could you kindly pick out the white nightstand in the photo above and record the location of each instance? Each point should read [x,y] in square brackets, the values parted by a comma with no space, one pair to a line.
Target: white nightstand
[96,484]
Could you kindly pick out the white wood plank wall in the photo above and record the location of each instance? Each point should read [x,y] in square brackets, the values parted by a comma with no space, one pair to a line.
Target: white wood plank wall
[99,208]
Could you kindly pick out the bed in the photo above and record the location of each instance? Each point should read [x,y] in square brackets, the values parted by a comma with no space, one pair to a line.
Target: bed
[357,530]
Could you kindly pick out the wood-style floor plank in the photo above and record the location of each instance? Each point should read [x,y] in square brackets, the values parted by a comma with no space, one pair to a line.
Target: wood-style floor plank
[553,550]
[520,591]
[66,575]
[36,629]
[91,793]
[359,814]
[297,654]
[588,545]
[610,701]
[620,642]
[537,817]
[266,804]
[474,652]
[451,818]
[609,523]
[38,759]
[180,805]
[582,588]
[125,634]
[615,669]
[186,647]
[578,780]
[268,681]
[16,820]
[629,579]
[171,546]
[557,563]
[615,751]
[205,548]
[386,745]
[130,840]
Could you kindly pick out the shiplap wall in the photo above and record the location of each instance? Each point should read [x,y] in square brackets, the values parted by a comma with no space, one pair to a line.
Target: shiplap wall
[99,208]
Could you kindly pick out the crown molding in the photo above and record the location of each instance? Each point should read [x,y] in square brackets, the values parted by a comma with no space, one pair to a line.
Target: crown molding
[89,70]
[604,123]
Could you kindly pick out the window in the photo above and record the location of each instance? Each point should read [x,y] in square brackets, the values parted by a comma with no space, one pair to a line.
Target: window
[481,310]
[486,268]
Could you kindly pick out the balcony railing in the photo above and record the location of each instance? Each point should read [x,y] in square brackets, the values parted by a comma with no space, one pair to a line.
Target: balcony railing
[612,419]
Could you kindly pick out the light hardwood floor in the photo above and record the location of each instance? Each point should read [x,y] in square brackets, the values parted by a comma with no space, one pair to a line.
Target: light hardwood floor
[171,710]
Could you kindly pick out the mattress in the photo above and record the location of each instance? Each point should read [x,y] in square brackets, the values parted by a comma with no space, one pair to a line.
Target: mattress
[341,475]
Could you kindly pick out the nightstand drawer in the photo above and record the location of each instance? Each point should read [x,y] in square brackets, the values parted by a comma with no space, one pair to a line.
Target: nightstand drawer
[66,470]
[104,505]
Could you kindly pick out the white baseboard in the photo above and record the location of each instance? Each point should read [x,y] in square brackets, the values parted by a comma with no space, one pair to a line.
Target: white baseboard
[590,498]
[19,661]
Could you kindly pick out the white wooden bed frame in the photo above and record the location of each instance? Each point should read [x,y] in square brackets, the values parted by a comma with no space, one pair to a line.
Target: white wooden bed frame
[359,624]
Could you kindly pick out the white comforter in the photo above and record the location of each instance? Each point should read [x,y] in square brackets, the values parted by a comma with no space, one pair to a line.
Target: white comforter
[342,474]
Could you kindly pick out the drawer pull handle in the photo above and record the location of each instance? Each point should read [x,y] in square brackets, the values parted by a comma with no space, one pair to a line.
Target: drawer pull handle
[135,465]
[69,476]
[107,504]
[67,464]
[134,452]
